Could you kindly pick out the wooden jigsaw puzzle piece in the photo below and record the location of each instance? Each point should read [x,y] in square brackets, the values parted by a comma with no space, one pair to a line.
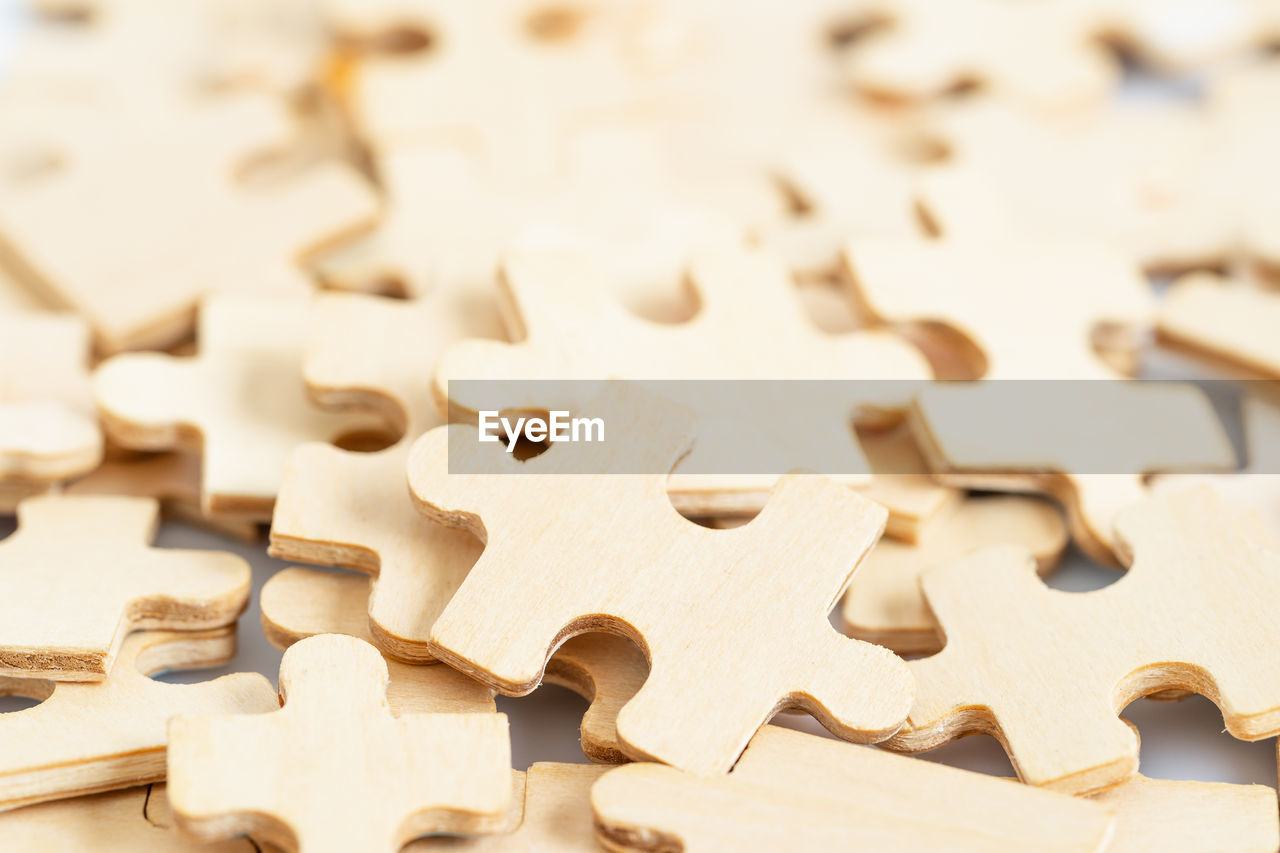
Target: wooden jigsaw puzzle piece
[78,576]
[901,483]
[1091,469]
[347,509]
[298,603]
[1159,628]
[1038,55]
[84,738]
[142,267]
[115,822]
[855,690]
[885,606]
[792,790]
[1229,321]
[334,769]
[1177,816]
[240,402]
[572,328]
[47,428]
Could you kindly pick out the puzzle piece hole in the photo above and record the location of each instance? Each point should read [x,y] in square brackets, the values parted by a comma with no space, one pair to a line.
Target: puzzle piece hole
[1077,573]
[402,40]
[544,725]
[844,34]
[365,441]
[1186,740]
[9,704]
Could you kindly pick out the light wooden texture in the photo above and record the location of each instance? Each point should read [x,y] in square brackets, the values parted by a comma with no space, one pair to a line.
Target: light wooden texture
[749,326]
[884,604]
[240,402]
[114,822]
[85,738]
[1228,320]
[151,197]
[1166,816]
[553,814]
[1257,484]
[1110,176]
[614,555]
[48,431]
[1055,454]
[1036,55]
[606,670]
[1193,604]
[794,791]
[1029,305]
[298,603]
[78,576]
[171,478]
[511,81]
[334,770]
[901,483]
[352,509]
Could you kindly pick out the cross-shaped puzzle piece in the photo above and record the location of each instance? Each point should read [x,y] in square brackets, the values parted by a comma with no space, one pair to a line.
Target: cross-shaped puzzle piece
[334,770]
[78,576]
[151,199]
[83,738]
[749,326]
[47,428]
[616,556]
[240,402]
[1195,601]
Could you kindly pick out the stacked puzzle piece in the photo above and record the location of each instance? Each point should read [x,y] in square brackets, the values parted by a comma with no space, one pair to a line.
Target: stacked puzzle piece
[265,265]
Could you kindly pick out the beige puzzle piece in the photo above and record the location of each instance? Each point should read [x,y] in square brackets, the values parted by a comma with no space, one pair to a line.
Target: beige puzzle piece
[1224,207]
[171,478]
[511,81]
[78,576]
[1257,485]
[334,770]
[1055,452]
[884,605]
[48,431]
[1186,616]
[1038,55]
[240,402]
[1230,321]
[352,509]
[144,193]
[86,738]
[1110,176]
[572,328]
[1178,817]
[554,812]
[1030,306]
[662,581]
[797,791]
[901,483]
[114,822]
[298,603]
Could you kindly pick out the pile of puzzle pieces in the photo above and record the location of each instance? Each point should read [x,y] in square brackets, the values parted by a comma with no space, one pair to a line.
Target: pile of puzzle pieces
[248,248]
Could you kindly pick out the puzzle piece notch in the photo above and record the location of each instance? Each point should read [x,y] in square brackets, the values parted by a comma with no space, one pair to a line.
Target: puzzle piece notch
[298,603]
[87,558]
[1144,634]
[884,604]
[111,734]
[240,401]
[358,778]
[205,149]
[47,428]
[853,688]
[794,790]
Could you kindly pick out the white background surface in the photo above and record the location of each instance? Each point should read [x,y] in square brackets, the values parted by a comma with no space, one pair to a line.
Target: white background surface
[1180,740]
